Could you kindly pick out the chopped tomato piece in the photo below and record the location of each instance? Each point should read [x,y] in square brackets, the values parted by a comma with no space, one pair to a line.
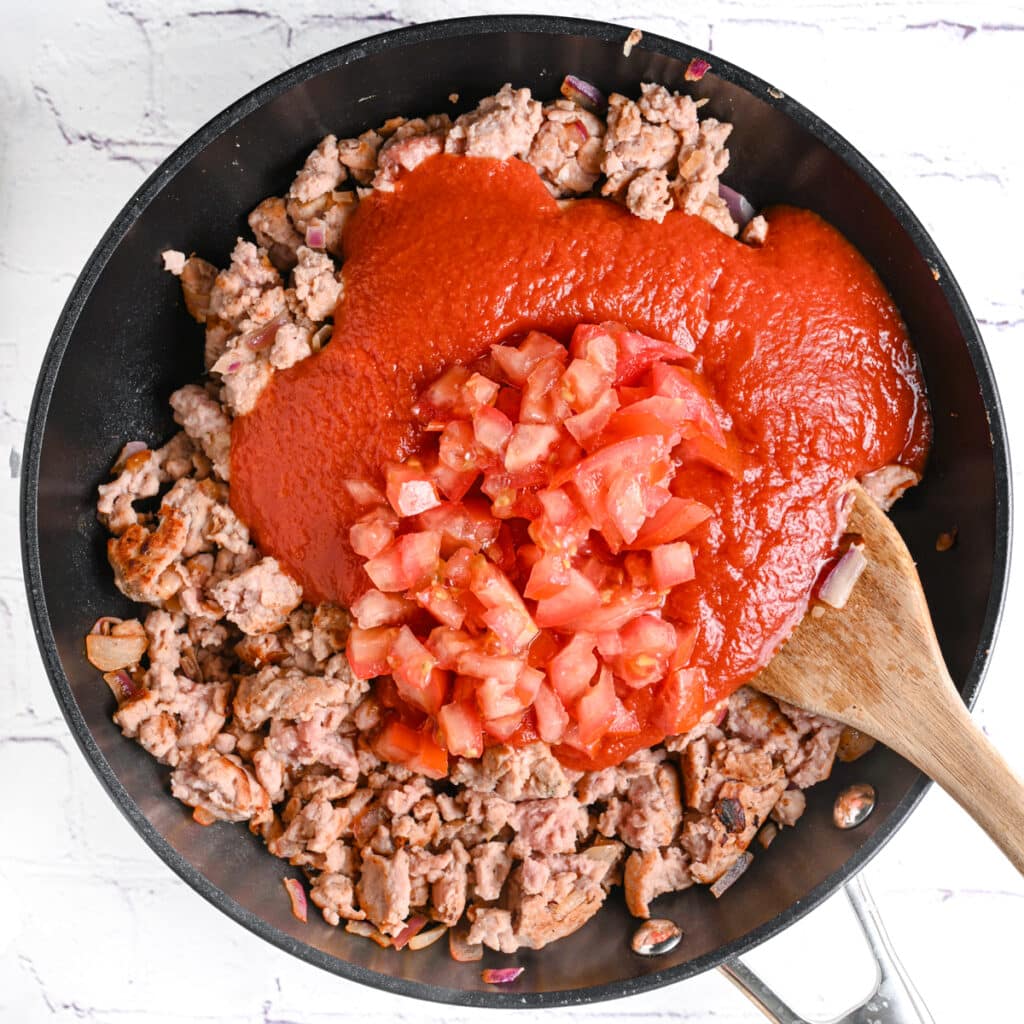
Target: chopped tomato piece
[447,644]
[681,385]
[461,524]
[431,759]
[364,493]
[367,650]
[621,606]
[504,668]
[648,643]
[634,352]
[518,361]
[549,577]
[410,560]
[578,597]
[477,392]
[505,728]
[671,564]
[679,701]
[552,718]
[416,673]
[457,448]
[595,344]
[572,669]
[461,729]
[726,459]
[376,609]
[491,429]
[373,532]
[686,640]
[587,425]
[528,684]
[676,518]
[410,489]
[506,614]
[454,484]
[497,699]
[542,401]
[595,710]
[584,383]
[530,445]
[442,603]
[444,394]
[397,742]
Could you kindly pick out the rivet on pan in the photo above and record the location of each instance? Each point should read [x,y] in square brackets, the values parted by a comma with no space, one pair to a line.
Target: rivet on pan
[854,805]
[653,938]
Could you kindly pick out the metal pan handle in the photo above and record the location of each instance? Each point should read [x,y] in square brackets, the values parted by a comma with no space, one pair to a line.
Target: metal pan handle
[893,1000]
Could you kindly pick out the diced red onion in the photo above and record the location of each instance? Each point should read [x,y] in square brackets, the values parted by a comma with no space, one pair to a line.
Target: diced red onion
[234,367]
[263,337]
[412,927]
[696,69]
[427,938]
[583,93]
[461,951]
[367,931]
[501,975]
[297,895]
[839,583]
[316,234]
[739,207]
[122,685]
[581,130]
[103,623]
[738,867]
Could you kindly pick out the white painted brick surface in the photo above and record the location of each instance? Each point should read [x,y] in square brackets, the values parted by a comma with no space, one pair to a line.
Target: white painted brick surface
[93,95]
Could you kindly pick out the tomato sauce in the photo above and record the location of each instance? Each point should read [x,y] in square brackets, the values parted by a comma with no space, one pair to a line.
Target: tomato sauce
[804,349]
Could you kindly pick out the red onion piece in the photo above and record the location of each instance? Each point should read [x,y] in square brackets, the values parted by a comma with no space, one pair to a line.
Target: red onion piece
[122,686]
[501,975]
[739,866]
[462,951]
[581,130]
[263,337]
[316,234]
[583,93]
[739,207]
[696,69]
[839,583]
[412,927]
[103,624]
[297,895]
[427,938]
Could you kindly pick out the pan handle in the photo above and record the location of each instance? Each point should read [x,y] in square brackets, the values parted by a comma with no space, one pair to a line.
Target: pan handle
[893,1000]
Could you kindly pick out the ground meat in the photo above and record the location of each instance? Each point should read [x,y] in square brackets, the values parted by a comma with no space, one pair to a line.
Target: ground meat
[289,693]
[206,423]
[649,814]
[561,906]
[516,773]
[292,344]
[566,151]
[317,285]
[275,232]
[633,145]
[384,888]
[322,172]
[548,826]
[491,865]
[502,126]
[221,786]
[651,874]
[141,558]
[648,195]
[259,599]
[137,476]
[249,292]
[789,807]
[336,895]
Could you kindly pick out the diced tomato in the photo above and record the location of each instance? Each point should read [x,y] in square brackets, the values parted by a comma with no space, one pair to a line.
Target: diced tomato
[506,614]
[504,728]
[676,518]
[681,385]
[457,447]
[505,668]
[530,445]
[447,644]
[477,392]
[609,644]
[367,650]
[454,484]
[431,759]
[595,710]
[461,524]
[542,400]
[578,597]
[491,429]
[410,489]
[457,570]
[621,606]
[584,383]
[497,699]
[461,729]
[726,459]
[373,532]
[572,669]
[562,526]
[552,718]
[679,701]
[364,493]
[444,394]
[634,352]
[648,643]
[594,343]
[376,609]
[549,577]
[624,722]
[397,742]
[443,603]
[518,361]
[416,673]
[686,640]
[528,684]
[590,424]
[671,564]
[407,563]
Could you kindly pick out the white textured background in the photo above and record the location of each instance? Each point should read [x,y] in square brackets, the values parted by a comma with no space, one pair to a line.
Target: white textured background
[93,95]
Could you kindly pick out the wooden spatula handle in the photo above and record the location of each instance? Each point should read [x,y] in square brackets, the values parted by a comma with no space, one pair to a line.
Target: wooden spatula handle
[962,760]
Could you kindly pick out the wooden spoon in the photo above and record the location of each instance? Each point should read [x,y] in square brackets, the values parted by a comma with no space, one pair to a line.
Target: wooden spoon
[876,665]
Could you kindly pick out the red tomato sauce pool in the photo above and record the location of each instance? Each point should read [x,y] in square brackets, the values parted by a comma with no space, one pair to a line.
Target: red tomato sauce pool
[800,341]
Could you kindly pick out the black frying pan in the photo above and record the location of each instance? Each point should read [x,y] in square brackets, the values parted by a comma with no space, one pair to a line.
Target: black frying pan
[124,342]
